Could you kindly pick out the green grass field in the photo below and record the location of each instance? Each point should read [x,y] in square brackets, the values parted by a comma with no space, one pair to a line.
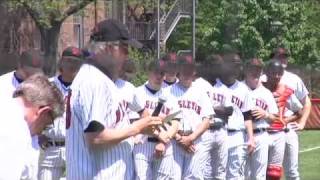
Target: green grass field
[309,162]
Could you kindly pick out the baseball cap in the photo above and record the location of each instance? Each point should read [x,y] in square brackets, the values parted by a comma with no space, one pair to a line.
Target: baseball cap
[72,53]
[112,30]
[32,58]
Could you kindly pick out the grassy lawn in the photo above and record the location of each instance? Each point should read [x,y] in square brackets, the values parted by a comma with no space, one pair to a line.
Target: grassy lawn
[309,161]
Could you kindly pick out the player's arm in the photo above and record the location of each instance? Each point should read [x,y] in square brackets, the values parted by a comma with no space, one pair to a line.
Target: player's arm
[248,118]
[97,134]
[207,114]
[202,127]
[249,127]
[294,105]
[305,111]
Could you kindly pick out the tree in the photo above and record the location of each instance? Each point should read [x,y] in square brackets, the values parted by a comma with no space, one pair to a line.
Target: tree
[246,25]
[48,16]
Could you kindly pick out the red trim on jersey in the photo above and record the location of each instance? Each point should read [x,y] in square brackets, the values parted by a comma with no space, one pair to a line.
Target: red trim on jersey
[282,95]
[68,111]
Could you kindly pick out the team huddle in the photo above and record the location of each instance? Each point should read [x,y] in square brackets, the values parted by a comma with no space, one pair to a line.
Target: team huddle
[220,119]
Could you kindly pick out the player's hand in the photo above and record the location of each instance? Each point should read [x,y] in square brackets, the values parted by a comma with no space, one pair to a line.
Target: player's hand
[251,145]
[160,150]
[259,113]
[190,149]
[43,141]
[296,126]
[164,137]
[147,125]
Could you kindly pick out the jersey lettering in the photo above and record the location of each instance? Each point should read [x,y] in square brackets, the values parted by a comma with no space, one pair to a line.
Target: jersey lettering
[262,104]
[237,101]
[218,97]
[189,105]
[152,105]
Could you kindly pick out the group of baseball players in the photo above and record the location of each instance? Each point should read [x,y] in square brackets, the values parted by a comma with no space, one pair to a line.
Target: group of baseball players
[223,118]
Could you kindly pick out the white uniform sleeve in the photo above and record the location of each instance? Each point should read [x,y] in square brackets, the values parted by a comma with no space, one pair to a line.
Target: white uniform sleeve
[137,102]
[248,103]
[205,104]
[97,104]
[301,91]
[294,104]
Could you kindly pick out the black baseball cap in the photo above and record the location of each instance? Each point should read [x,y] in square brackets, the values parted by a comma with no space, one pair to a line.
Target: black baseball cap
[112,30]
[72,53]
[32,58]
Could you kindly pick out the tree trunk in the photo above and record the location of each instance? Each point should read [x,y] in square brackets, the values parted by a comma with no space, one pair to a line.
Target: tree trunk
[50,39]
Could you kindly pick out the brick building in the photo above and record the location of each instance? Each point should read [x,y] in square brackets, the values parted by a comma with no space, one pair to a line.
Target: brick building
[18,31]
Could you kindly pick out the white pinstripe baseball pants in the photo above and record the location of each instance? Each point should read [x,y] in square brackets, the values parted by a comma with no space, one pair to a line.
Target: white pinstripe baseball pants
[236,155]
[188,166]
[215,141]
[276,148]
[52,163]
[147,167]
[291,156]
[257,162]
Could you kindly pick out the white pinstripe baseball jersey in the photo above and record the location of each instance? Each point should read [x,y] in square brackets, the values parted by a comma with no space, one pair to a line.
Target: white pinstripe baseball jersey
[166,84]
[203,84]
[127,91]
[261,97]
[240,103]
[149,101]
[194,103]
[94,98]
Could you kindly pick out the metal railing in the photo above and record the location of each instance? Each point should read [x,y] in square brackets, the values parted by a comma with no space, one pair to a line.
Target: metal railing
[168,21]
[141,30]
[181,8]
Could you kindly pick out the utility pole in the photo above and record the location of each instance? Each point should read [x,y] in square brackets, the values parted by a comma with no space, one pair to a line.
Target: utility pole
[158,30]
[193,29]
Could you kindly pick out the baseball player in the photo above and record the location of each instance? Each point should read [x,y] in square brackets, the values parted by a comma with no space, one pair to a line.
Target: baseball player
[98,139]
[153,157]
[263,113]
[292,143]
[241,142]
[286,101]
[52,141]
[215,139]
[188,146]
[170,69]
[30,62]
